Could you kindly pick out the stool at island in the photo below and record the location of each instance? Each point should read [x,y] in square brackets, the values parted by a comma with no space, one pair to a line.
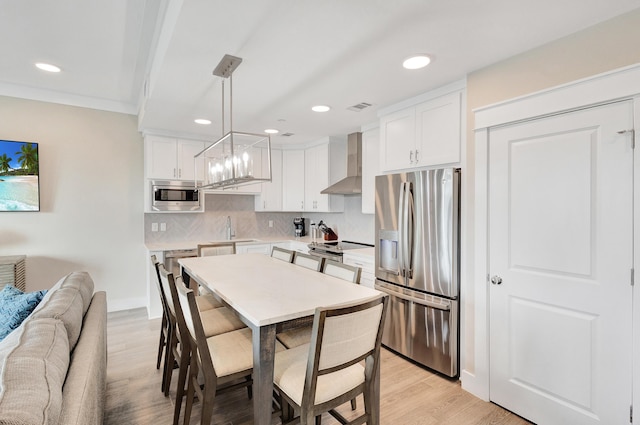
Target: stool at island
[12,271]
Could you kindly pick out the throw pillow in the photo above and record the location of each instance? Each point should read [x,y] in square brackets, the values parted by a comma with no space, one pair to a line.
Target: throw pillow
[15,306]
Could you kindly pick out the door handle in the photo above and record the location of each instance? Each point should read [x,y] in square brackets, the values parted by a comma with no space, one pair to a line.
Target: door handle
[496,280]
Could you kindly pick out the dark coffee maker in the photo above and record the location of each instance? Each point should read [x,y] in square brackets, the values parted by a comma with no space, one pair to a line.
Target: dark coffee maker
[300,226]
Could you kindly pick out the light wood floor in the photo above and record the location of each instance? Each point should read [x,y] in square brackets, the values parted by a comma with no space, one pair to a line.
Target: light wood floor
[410,395]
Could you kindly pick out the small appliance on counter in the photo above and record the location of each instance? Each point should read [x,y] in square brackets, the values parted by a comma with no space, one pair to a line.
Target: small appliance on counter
[300,227]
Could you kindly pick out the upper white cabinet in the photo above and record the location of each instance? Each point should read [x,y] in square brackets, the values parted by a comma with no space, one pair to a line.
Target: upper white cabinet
[293,180]
[422,135]
[171,159]
[370,168]
[270,199]
[305,173]
[324,165]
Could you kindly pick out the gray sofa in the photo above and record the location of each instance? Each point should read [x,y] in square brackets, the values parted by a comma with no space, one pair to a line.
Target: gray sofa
[53,366]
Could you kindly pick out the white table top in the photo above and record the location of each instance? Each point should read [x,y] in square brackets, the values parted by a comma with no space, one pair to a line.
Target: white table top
[266,290]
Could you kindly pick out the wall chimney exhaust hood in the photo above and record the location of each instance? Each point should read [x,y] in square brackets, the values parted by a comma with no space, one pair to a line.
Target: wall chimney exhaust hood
[352,184]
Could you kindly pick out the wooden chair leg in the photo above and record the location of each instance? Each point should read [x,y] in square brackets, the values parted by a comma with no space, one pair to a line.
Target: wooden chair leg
[168,365]
[190,394]
[162,342]
[249,388]
[182,377]
[208,395]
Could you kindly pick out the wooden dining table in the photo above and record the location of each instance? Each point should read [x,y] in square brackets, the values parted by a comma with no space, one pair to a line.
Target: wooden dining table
[270,296]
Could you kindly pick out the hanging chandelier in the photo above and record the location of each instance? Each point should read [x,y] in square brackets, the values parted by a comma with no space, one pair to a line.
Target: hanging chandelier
[237,158]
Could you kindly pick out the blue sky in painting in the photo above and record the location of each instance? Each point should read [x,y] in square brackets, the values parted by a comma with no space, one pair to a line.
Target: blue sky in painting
[10,148]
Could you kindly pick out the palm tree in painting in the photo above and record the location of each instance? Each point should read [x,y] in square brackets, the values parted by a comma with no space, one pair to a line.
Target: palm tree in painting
[28,158]
[4,163]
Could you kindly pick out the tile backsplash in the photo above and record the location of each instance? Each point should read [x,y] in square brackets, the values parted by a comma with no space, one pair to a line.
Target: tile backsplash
[246,223]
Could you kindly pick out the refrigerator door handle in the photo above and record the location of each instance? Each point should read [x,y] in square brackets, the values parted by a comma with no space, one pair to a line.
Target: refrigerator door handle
[445,305]
[409,226]
[401,228]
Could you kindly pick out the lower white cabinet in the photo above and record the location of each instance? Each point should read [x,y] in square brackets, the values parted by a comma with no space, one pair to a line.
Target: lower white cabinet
[366,263]
[253,248]
[296,246]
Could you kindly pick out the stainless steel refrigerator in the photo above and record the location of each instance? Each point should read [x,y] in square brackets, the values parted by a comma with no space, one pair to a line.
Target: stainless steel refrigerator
[417,263]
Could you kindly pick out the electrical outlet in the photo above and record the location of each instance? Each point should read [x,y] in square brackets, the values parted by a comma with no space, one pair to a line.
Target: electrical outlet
[270,223]
[154,227]
[163,227]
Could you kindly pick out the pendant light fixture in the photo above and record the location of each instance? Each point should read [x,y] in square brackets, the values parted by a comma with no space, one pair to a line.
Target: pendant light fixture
[237,158]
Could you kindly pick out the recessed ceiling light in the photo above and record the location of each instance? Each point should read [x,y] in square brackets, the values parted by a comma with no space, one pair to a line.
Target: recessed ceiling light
[47,67]
[320,108]
[416,62]
[202,121]
[272,131]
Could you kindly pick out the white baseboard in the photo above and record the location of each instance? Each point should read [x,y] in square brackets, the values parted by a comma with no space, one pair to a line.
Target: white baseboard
[126,304]
[473,385]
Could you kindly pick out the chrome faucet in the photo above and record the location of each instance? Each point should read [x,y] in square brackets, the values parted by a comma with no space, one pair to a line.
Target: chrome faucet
[230,235]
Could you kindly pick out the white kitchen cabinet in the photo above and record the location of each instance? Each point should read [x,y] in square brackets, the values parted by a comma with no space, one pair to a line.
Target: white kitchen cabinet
[324,165]
[316,178]
[293,178]
[370,168]
[296,246]
[422,135]
[172,159]
[398,136]
[366,263]
[253,248]
[270,198]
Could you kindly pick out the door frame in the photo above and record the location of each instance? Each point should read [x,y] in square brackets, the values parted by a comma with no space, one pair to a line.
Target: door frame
[620,84]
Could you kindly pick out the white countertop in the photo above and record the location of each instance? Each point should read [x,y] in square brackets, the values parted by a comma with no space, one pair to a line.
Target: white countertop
[175,245]
[265,290]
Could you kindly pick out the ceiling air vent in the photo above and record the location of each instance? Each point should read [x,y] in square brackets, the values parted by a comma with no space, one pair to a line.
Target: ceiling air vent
[286,134]
[359,107]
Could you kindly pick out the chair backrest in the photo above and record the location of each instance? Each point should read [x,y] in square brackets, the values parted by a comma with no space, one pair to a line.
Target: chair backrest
[216,248]
[163,297]
[342,337]
[192,325]
[165,276]
[308,261]
[282,254]
[342,271]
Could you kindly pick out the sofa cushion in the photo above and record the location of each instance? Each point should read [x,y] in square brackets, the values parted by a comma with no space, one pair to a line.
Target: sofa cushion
[15,306]
[66,304]
[79,280]
[84,390]
[33,364]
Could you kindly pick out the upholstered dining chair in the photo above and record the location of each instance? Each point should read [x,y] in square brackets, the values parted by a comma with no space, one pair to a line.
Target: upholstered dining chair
[224,361]
[216,248]
[302,335]
[282,254]
[342,271]
[316,378]
[215,322]
[308,261]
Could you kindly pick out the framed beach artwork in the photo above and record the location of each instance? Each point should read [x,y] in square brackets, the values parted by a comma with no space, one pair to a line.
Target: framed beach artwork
[19,180]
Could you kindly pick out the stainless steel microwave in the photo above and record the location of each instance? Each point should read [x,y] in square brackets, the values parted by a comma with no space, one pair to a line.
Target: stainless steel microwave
[174,196]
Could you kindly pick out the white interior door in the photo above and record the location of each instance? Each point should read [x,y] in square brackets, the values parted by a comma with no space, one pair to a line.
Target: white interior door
[561,243]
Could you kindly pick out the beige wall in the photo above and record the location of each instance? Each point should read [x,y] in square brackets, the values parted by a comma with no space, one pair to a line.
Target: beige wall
[91,212]
[604,47]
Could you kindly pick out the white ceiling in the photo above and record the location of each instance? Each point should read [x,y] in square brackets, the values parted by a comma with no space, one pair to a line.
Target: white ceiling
[295,54]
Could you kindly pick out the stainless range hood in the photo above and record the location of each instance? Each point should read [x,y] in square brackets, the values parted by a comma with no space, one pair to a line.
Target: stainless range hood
[352,184]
